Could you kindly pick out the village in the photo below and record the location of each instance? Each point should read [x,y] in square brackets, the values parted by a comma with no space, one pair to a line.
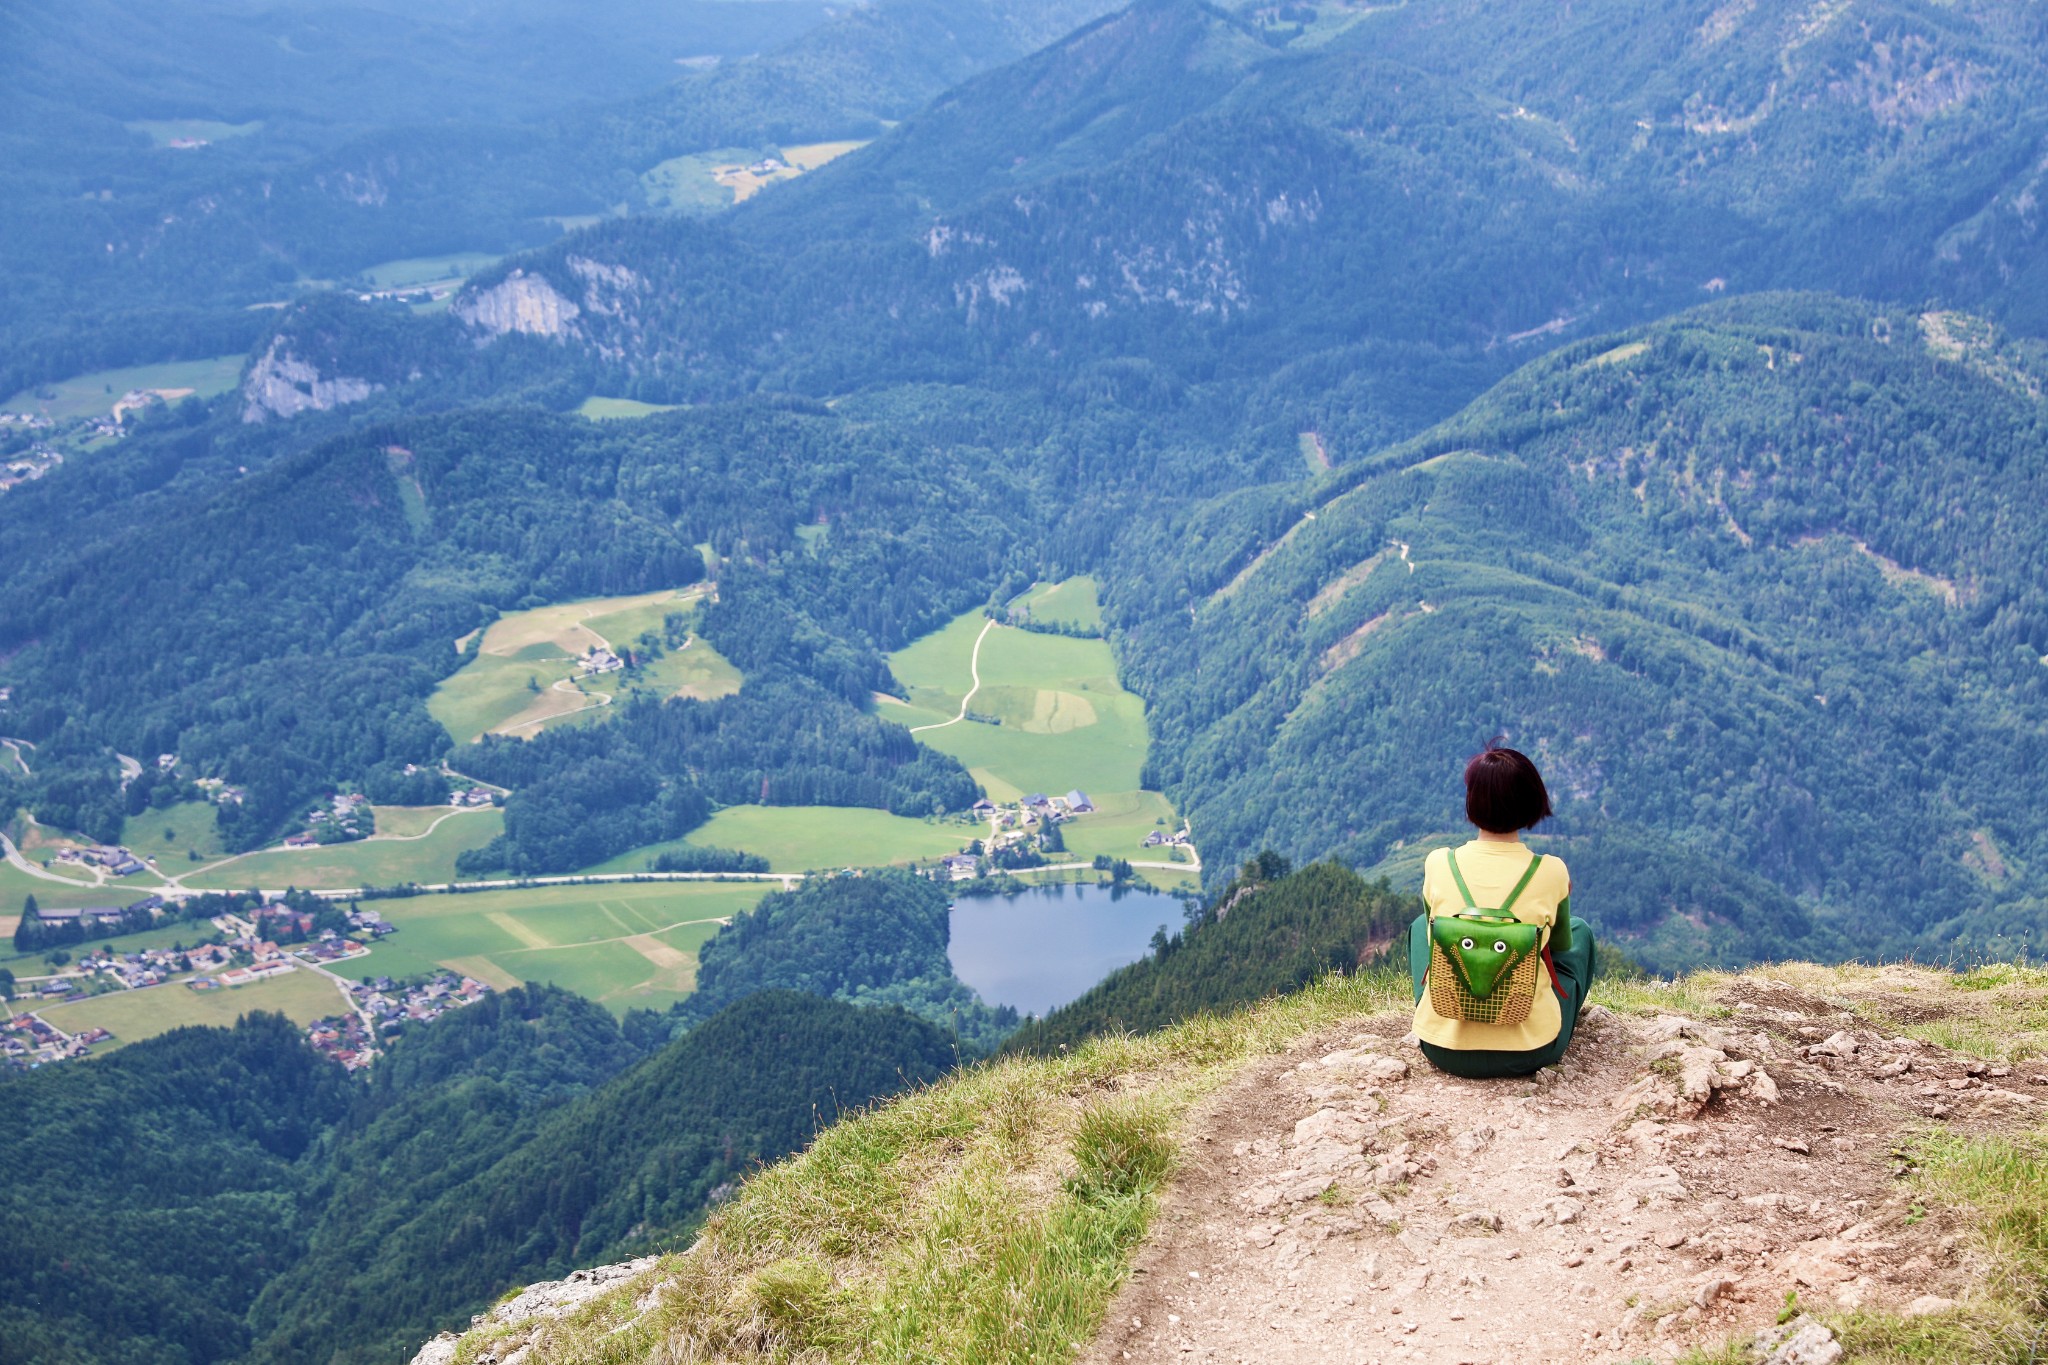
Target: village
[1023,832]
[269,940]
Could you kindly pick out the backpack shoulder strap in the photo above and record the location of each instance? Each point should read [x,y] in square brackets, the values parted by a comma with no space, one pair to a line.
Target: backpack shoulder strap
[1459,877]
[1528,875]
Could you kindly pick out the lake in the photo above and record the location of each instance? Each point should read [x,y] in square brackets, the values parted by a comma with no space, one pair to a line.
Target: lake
[1041,948]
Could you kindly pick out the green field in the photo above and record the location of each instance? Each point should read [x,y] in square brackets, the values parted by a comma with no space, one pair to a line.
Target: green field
[94,395]
[163,936]
[1066,721]
[132,1016]
[419,271]
[164,131]
[817,838]
[524,676]
[1074,602]
[379,861]
[686,184]
[622,944]
[16,884]
[610,409]
[168,835]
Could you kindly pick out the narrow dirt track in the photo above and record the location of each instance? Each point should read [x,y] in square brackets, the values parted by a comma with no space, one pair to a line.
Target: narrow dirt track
[1347,1203]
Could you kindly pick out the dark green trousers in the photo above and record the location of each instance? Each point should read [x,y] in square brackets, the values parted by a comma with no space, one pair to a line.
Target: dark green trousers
[1574,973]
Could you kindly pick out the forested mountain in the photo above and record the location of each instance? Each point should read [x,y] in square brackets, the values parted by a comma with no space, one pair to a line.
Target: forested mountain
[1352,232]
[1100,310]
[1758,587]
[169,165]
[220,1195]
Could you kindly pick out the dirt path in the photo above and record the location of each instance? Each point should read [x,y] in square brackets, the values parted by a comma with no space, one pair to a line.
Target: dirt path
[973,668]
[1347,1203]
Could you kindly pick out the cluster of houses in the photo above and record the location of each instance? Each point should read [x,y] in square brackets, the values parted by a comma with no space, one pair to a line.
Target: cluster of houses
[344,818]
[27,468]
[26,1041]
[387,1006]
[219,792]
[473,796]
[1022,825]
[115,859]
[1161,839]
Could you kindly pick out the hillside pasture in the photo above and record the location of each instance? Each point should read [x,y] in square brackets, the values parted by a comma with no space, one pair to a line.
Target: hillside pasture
[1066,721]
[421,272]
[172,834]
[381,860]
[171,132]
[1072,602]
[690,184]
[94,395]
[618,409]
[132,1016]
[624,945]
[817,838]
[525,675]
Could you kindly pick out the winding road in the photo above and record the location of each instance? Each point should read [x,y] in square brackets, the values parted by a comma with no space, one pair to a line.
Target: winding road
[974,668]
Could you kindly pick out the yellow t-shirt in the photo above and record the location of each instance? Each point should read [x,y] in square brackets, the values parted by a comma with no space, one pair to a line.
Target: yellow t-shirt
[1491,868]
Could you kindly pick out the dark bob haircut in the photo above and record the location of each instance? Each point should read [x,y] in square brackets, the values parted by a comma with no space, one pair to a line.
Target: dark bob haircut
[1504,792]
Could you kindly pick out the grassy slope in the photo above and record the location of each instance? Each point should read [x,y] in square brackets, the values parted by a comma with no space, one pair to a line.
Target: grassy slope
[134,1015]
[1067,722]
[375,861]
[816,838]
[91,395]
[993,1216]
[495,692]
[622,945]
[172,834]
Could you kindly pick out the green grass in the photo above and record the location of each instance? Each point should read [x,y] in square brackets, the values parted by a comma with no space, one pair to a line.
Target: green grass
[1073,602]
[611,409]
[406,821]
[582,938]
[132,1016]
[1119,824]
[15,885]
[164,131]
[169,834]
[510,687]
[418,271]
[817,838]
[163,936]
[684,184]
[367,862]
[990,1217]
[94,395]
[1066,721]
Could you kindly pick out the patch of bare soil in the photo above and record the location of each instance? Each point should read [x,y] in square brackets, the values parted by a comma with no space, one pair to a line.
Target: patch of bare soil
[1667,1187]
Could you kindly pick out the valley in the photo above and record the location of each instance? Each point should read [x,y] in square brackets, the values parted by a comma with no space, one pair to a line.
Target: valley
[749,640]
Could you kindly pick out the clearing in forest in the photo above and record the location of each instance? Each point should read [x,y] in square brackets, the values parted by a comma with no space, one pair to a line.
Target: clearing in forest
[1047,716]
[814,838]
[622,944]
[537,668]
[96,394]
[383,860]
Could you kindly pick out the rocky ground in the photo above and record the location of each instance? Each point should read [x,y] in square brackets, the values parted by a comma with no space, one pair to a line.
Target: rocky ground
[1668,1187]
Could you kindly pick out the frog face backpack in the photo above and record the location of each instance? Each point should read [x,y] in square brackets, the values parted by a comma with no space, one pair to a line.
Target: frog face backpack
[1483,962]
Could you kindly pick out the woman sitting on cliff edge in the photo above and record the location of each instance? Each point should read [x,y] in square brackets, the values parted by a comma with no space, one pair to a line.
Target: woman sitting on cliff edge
[1501,967]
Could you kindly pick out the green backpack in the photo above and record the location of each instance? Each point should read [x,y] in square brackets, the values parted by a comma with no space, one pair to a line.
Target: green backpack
[1483,962]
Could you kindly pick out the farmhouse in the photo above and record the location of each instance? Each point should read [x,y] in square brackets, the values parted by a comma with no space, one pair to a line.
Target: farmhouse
[1077,802]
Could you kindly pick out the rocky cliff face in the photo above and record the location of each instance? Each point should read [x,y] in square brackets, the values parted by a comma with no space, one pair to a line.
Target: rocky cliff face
[281,384]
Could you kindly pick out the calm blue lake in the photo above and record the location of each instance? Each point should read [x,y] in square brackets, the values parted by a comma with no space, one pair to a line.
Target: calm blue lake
[1041,948]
